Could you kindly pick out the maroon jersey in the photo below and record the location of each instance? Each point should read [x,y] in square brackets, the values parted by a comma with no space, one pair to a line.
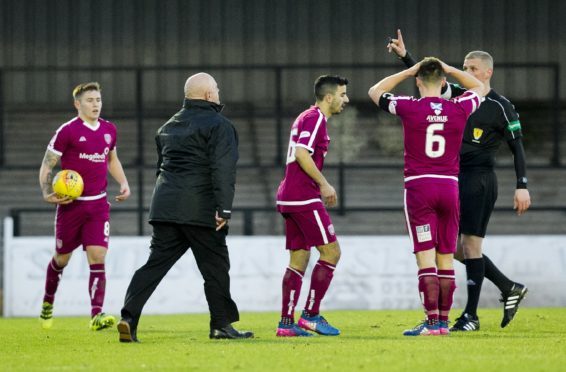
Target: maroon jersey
[433,128]
[85,149]
[298,192]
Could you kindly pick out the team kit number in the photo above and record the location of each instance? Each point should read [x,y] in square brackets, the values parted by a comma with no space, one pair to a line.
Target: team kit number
[291,152]
[435,140]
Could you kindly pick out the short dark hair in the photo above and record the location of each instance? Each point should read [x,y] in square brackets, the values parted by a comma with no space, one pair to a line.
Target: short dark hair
[85,87]
[430,70]
[326,84]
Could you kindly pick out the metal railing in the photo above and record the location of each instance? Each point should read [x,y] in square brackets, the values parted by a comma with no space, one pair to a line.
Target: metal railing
[139,113]
[278,111]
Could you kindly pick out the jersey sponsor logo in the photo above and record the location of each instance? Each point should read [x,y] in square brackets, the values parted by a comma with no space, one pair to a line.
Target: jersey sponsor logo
[304,134]
[437,118]
[107,138]
[96,157]
[437,107]
[423,233]
[82,139]
[59,243]
[477,135]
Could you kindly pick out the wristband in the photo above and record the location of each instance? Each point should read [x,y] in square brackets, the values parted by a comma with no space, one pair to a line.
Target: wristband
[522,183]
[408,60]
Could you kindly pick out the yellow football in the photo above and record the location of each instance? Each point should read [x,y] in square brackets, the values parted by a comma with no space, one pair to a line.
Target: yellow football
[68,183]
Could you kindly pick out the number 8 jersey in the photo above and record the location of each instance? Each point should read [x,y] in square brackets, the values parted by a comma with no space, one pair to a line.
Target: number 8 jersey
[433,128]
[298,192]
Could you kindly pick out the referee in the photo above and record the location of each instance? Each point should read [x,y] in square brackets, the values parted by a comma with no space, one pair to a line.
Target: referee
[191,204]
[494,122]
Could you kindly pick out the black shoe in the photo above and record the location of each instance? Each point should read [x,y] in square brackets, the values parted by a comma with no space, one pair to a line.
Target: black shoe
[127,331]
[511,301]
[466,323]
[229,332]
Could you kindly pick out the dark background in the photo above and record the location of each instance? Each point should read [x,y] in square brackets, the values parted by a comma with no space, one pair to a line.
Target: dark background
[265,56]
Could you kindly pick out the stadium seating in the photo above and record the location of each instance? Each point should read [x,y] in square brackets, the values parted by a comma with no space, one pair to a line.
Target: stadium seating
[365,144]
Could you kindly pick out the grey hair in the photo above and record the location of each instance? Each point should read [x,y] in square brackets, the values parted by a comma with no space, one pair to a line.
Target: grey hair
[484,56]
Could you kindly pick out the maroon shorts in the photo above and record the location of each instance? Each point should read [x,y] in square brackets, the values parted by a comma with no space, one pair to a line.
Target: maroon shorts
[432,212]
[82,223]
[307,229]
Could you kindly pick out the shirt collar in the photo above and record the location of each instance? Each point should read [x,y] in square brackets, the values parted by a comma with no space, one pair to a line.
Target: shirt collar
[91,127]
[203,104]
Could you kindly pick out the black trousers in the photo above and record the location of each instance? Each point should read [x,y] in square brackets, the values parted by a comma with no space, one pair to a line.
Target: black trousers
[168,243]
[478,194]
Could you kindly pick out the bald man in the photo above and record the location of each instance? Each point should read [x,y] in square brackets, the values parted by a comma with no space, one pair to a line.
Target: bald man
[191,204]
[202,86]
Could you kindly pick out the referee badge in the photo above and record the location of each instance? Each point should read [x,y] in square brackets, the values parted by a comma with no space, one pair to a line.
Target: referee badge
[477,134]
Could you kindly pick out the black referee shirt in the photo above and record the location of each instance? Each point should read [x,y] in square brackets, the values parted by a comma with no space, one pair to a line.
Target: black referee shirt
[494,121]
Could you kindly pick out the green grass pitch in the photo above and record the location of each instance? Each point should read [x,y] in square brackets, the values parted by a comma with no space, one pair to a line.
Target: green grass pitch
[370,341]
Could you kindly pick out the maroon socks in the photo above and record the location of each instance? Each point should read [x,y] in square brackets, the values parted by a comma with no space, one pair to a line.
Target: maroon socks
[97,287]
[54,273]
[292,282]
[429,290]
[446,279]
[320,281]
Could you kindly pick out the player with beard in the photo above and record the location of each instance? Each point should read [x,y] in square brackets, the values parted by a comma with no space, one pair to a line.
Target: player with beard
[302,198]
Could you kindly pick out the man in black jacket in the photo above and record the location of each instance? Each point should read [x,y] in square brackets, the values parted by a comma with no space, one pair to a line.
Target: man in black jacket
[191,204]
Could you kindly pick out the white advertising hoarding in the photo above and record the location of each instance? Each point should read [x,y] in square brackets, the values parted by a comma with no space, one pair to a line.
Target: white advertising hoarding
[375,272]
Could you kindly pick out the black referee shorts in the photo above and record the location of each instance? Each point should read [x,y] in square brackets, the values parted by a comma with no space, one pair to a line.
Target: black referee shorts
[478,193]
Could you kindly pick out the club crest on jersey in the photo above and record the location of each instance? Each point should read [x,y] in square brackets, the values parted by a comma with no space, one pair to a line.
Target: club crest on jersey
[108,138]
[437,107]
[477,134]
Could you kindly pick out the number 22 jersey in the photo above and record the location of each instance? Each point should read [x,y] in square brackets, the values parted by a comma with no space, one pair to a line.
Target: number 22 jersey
[298,192]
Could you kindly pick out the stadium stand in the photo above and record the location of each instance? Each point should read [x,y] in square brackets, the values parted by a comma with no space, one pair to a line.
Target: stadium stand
[372,178]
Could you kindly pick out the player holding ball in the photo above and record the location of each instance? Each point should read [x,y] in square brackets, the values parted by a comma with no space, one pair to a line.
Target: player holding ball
[87,145]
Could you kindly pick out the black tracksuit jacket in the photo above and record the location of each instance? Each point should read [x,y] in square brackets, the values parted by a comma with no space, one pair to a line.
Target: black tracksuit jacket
[196,169]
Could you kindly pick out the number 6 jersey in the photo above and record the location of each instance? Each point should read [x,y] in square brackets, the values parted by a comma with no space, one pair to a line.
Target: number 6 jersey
[432,129]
